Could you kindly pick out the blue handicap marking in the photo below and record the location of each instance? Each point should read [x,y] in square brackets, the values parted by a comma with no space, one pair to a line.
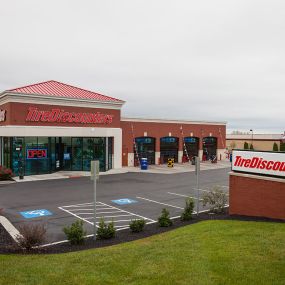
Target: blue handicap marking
[124,201]
[35,213]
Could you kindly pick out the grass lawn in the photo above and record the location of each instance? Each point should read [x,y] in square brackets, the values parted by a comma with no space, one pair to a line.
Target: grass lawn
[210,252]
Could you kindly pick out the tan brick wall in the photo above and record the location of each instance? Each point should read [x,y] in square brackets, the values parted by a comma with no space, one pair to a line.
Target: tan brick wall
[253,195]
[257,144]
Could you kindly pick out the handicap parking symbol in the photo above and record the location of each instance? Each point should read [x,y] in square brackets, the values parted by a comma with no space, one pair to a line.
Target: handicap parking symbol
[124,201]
[35,213]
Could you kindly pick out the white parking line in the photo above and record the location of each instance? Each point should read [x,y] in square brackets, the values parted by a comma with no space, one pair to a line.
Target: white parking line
[129,213]
[78,205]
[159,203]
[86,214]
[118,216]
[182,195]
[107,212]
[100,208]
[204,190]
[75,215]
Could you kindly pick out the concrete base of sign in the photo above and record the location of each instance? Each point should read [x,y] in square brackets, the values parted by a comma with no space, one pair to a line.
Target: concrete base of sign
[255,195]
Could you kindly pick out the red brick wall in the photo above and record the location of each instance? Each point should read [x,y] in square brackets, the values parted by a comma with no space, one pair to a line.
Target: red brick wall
[253,195]
[158,130]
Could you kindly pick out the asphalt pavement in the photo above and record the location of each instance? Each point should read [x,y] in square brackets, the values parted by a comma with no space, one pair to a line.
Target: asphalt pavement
[138,195]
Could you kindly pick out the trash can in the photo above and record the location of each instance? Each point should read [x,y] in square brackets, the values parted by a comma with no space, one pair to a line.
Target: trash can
[144,164]
[193,160]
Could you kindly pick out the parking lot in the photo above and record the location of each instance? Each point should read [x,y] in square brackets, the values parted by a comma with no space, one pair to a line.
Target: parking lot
[120,198]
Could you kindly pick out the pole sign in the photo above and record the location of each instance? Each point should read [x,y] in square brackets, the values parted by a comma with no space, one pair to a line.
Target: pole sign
[197,172]
[94,170]
[258,162]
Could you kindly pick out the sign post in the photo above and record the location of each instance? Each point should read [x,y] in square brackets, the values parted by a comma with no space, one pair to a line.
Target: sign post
[197,172]
[94,176]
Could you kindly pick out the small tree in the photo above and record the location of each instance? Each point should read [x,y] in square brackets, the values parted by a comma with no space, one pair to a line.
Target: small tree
[245,145]
[164,219]
[75,233]
[106,231]
[282,146]
[137,226]
[275,147]
[188,210]
[251,147]
[216,199]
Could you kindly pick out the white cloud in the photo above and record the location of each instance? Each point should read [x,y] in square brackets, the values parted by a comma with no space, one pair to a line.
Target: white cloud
[209,60]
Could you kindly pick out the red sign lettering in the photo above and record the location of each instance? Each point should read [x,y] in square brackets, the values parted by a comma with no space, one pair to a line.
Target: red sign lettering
[61,116]
[36,153]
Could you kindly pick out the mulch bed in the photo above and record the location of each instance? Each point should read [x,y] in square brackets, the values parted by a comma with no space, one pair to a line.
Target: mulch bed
[7,245]
[6,240]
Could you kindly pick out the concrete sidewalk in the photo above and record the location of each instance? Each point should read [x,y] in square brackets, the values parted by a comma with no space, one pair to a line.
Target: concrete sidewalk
[156,169]
[180,167]
[66,174]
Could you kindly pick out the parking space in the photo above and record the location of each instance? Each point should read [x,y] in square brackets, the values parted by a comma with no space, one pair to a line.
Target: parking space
[85,212]
[120,197]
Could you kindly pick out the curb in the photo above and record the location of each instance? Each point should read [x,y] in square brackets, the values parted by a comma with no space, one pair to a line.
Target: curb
[13,232]
[7,182]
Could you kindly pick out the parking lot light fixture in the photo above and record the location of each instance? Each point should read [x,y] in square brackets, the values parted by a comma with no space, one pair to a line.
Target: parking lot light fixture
[251,130]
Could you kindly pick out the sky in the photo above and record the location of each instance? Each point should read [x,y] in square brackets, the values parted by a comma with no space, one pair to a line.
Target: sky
[221,60]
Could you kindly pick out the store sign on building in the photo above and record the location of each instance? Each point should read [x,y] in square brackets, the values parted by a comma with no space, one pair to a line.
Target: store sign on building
[264,163]
[2,115]
[36,153]
[61,116]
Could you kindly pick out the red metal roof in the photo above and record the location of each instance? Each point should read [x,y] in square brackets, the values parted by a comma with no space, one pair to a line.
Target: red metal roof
[58,89]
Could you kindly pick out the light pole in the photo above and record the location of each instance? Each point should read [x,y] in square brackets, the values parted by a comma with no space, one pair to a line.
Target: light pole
[251,130]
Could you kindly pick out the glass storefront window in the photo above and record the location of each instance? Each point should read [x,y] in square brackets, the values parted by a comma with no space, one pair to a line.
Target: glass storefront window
[7,152]
[65,153]
[100,148]
[18,154]
[31,163]
[43,155]
[40,155]
[88,152]
[110,153]
[77,153]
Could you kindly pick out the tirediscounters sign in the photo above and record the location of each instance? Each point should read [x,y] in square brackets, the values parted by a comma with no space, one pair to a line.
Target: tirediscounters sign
[264,163]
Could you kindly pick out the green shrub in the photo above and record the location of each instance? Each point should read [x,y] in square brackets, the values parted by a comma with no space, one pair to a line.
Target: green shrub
[282,146]
[251,147]
[188,210]
[275,147]
[245,145]
[75,233]
[106,231]
[216,199]
[5,173]
[137,226]
[164,219]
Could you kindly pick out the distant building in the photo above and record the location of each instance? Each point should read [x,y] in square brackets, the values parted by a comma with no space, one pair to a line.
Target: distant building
[260,141]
